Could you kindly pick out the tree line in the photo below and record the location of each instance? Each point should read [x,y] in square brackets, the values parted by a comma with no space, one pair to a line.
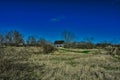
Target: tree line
[15,38]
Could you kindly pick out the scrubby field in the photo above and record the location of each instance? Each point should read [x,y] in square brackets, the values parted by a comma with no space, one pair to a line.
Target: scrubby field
[64,64]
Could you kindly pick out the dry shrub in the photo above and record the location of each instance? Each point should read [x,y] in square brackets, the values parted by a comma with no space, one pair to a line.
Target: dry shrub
[113,51]
[47,48]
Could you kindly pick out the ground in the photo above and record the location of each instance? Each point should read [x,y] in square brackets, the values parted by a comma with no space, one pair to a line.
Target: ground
[64,64]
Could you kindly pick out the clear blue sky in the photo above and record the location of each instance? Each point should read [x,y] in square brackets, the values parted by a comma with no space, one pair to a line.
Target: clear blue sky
[49,18]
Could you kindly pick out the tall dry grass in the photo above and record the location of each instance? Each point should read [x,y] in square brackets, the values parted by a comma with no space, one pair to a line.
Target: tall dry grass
[30,64]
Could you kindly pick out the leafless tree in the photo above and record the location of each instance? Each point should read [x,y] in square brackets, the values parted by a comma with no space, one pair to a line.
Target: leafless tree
[41,42]
[31,40]
[18,37]
[89,42]
[68,36]
[14,37]
[1,39]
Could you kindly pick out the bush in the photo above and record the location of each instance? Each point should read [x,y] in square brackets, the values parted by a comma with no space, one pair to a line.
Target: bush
[47,48]
[83,45]
[103,45]
[67,46]
[113,51]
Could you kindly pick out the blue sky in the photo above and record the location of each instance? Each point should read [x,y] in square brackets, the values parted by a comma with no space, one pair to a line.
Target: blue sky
[49,18]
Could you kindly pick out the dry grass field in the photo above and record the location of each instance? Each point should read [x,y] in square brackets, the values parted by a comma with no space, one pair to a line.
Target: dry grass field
[65,64]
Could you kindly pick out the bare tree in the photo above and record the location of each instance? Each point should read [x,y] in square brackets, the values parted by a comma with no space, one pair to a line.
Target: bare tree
[14,37]
[1,39]
[9,37]
[41,42]
[18,37]
[89,42]
[68,36]
[31,40]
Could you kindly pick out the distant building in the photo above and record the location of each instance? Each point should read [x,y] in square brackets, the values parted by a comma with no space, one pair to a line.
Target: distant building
[21,44]
[59,43]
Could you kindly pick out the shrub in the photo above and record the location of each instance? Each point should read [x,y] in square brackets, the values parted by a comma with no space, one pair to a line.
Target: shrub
[47,48]
[84,45]
[67,45]
[103,45]
[113,51]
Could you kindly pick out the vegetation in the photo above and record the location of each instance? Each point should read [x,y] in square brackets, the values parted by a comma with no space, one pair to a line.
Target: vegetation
[22,63]
[75,51]
[47,48]
[38,59]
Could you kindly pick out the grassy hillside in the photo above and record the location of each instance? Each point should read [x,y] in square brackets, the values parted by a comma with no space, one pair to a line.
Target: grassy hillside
[64,64]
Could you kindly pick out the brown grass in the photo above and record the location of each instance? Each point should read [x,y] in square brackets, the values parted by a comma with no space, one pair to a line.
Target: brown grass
[30,64]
